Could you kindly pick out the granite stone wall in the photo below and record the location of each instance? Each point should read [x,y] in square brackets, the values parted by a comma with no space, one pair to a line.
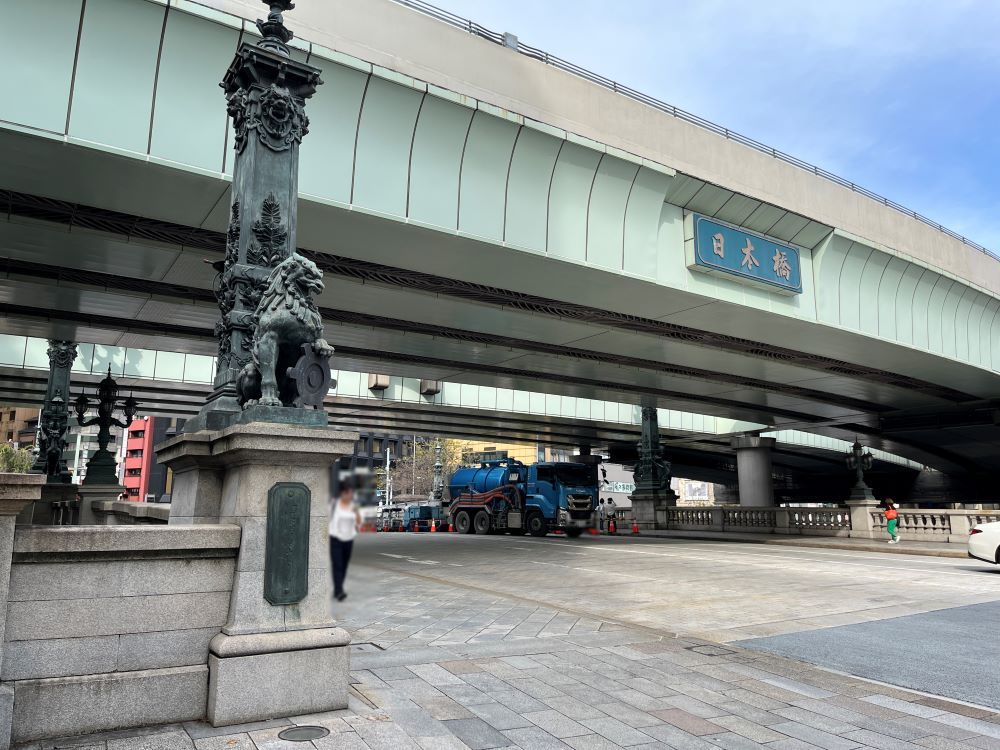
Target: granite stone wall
[108,627]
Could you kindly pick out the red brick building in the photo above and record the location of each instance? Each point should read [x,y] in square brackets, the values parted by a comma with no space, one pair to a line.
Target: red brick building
[138,457]
[144,479]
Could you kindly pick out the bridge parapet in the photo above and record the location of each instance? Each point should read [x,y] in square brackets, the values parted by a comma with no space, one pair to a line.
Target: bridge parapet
[945,525]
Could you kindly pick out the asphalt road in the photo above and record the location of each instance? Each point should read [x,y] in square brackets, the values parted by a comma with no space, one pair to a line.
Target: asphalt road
[950,652]
[922,623]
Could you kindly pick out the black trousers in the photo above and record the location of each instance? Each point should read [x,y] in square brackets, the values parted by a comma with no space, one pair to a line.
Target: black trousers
[340,556]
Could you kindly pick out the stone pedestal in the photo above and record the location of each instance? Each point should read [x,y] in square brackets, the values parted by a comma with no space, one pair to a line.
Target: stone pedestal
[271,659]
[17,493]
[753,466]
[649,509]
[91,493]
[861,503]
[266,675]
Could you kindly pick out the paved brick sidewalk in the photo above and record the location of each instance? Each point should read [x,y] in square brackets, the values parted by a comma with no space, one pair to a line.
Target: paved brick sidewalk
[438,667]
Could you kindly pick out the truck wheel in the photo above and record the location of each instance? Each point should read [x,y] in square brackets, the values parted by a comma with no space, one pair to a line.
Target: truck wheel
[537,525]
[481,522]
[573,533]
[463,524]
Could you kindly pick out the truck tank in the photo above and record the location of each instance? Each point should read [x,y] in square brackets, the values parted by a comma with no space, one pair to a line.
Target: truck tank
[484,478]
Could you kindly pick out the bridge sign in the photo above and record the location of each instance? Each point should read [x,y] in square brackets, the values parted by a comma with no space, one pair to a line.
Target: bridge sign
[725,249]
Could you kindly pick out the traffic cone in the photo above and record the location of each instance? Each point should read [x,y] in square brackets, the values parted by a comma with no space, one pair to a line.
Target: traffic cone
[434,525]
[635,527]
[451,527]
[612,526]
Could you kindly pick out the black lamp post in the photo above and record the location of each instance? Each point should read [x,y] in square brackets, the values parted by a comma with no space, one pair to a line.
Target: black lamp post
[860,461]
[101,469]
[438,472]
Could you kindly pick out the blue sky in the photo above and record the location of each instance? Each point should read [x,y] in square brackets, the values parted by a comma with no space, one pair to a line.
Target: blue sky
[899,96]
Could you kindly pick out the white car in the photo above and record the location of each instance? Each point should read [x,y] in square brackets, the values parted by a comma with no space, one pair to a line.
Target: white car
[984,542]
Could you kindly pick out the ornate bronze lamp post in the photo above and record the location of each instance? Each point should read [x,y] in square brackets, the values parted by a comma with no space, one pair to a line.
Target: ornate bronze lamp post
[652,494]
[101,469]
[438,472]
[54,418]
[860,461]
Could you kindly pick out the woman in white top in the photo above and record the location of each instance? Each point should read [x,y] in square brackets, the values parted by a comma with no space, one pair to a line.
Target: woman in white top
[344,521]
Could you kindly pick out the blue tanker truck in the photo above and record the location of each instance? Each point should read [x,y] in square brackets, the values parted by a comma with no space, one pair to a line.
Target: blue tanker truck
[508,496]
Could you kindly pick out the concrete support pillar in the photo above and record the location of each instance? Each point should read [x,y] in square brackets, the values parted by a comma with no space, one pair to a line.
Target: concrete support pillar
[753,465]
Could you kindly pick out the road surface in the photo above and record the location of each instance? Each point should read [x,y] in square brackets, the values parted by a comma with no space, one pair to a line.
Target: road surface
[916,622]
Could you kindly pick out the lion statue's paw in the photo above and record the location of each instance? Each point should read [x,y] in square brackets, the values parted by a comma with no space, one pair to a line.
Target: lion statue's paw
[322,348]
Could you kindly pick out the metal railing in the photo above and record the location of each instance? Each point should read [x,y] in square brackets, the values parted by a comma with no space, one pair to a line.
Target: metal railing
[557,62]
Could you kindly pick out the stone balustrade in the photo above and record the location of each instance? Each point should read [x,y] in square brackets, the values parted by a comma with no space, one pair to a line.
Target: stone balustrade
[934,525]
[118,512]
[109,627]
[916,525]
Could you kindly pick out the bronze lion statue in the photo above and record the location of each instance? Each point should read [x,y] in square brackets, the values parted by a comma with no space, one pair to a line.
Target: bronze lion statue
[286,318]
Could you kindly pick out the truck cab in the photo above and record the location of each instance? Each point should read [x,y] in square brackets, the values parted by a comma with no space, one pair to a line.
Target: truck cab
[566,493]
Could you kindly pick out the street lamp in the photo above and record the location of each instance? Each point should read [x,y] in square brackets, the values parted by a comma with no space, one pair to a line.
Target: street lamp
[859,460]
[438,472]
[101,469]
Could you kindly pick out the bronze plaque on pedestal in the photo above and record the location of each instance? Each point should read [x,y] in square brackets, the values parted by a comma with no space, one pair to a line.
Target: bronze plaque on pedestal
[286,556]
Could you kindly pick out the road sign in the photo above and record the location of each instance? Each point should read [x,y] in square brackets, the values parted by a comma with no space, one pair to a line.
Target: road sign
[725,249]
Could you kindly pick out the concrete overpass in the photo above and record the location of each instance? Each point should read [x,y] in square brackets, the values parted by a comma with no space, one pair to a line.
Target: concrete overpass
[485,218]
[175,384]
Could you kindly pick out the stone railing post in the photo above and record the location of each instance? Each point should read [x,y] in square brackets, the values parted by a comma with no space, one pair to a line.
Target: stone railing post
[718,518]
[17,492]
[959,526]
[861,517]
[783,521]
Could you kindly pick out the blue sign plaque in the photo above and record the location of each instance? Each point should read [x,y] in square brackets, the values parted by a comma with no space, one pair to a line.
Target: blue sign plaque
[726,249]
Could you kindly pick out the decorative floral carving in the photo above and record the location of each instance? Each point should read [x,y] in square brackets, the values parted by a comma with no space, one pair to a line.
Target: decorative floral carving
[270,237]
[227,299]
[61,353]
[282,120]
[238,106]
[278,117]
[225,343]
[233,235]
[251,292]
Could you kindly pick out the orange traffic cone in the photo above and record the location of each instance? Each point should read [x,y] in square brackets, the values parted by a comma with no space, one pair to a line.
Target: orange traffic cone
[434,525]
[635,527]
[612,526]
[451,527]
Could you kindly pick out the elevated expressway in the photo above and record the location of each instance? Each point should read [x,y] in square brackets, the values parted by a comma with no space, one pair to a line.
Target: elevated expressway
[481,218]
[175,384]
